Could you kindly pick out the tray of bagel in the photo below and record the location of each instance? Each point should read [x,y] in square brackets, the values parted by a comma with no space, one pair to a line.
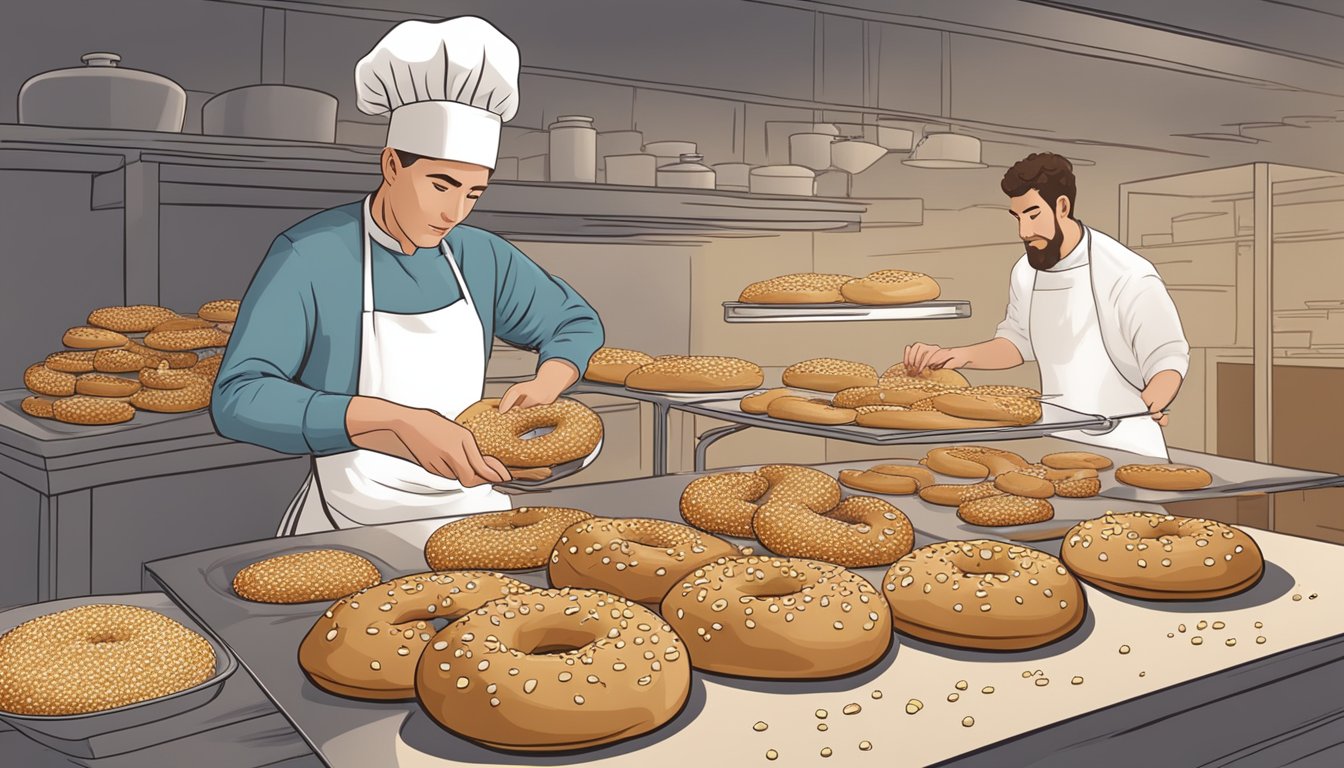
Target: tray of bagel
[888,294]
[128,360]
[771,612]
[76,669]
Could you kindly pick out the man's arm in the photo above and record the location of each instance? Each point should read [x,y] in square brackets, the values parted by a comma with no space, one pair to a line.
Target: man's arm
[1010,346]
[439,445]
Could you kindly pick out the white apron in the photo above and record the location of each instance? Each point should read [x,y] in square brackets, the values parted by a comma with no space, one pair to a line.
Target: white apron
[1067,340]
[434,360]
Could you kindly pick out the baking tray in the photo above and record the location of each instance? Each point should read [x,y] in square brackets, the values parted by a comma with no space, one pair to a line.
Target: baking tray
[58,731]
[1054,418]
[558,472]
[739,312]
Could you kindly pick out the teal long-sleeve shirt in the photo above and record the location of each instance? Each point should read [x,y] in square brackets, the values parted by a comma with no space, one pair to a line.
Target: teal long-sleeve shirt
[292,364]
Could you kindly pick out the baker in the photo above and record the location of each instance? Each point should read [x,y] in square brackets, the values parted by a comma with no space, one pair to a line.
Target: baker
[367,327]
[1095,316]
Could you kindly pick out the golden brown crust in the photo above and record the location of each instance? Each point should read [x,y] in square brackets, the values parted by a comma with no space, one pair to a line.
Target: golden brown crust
[575,432]
[208,367]
[71,362]
[171,391]
[723,503]
[220,311]
[809,411]
[120,361]
[759,402]
[797,288]
[891,479]
[183,324]
[887,417]
[38,406]
[515,539]
[367,644]
[639,559]
[92,411]
[779,618]
[1075,460]
[696,373]
[40,379]
[856,397]
[956,494]
[859,532]
[491,677]
[178,341]
[897,375]
[1164,477]
[983,594]
[975,462]
[86,337]
[136,318]
[98,657]
[174,359]
[891,286]
[1005,509]
[105,385]
[1163,557]
[610,365]
[968,405]
[829,374]
[305,577]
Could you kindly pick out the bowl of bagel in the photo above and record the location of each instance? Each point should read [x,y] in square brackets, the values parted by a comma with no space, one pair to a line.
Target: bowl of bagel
[130,359]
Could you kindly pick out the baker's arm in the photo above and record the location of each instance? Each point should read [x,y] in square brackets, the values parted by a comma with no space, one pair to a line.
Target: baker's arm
[1010,346]
[1151,324]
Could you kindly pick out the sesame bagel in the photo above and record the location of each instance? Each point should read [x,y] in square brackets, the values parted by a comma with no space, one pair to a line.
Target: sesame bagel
[554,669]
[890,286]
[1163,557]
[180,341]
[366,645]
[892,479]
[575,431]
[859,532]
[696,373]
[1041,482]
[92,411]
[120,361]
[759,402]
[171,391]
[639,559]
[38,406]
[945,376]
[137,318]
[971,405]
[515,539]
[174,359]
[1075,460]
[956,494]
[726,502]
[809,411]
[305,577]
[610,365]
[221,311]
[86,337]
[105,385]
[829,374]
[906,395]
[208,367]
[71,362]
[40,379]
[975,462]
[779,618]
[983,594]
[183,324]
[98,657]
[1005,509]
[1164,477]
[797,288]
[897,417]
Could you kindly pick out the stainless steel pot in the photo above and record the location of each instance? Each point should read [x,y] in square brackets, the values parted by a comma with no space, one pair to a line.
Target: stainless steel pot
[103,95]
[269,111]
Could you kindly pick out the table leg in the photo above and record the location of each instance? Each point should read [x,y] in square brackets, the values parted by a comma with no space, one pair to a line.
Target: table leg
[703,442]
[65,545]
[660,416]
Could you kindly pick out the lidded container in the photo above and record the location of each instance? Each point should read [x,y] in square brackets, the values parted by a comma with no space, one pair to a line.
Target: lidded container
[573,149]
[101,94]
[688,173]
[783,180]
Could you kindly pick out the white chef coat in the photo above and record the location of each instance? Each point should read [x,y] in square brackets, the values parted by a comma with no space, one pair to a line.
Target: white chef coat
[1100,324]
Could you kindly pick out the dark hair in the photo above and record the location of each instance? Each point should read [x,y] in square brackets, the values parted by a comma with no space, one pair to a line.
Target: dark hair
[406,158]
[1047,173]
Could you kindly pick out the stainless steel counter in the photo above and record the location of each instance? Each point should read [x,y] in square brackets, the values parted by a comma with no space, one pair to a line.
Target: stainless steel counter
[1165,701]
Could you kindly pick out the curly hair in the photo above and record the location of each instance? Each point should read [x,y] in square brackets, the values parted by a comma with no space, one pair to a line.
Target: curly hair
[1047,173]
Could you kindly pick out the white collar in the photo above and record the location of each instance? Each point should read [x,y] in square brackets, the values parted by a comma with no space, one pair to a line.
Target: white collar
[1078,256]
[376,232]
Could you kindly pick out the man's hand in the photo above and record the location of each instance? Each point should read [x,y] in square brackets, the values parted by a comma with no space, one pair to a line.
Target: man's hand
[920,356]
[553,377]
[445,448]
[1159,393]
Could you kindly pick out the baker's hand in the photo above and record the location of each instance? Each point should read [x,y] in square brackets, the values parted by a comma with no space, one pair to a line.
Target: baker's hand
[445,448]
[1159,393]
[553,377]
[919,356]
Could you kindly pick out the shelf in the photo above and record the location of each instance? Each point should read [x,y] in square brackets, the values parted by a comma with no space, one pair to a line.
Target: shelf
[738,312]
[215,171]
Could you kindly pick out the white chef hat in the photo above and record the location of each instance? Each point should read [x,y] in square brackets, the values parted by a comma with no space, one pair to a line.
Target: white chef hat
[449,86]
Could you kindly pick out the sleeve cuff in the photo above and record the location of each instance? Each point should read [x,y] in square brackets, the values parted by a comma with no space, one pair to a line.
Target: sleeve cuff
[1178,363]
[324,423]
[1019,341]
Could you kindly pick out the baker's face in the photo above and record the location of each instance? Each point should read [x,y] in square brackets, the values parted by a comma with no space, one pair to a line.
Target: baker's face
[1038,227]
[429,197]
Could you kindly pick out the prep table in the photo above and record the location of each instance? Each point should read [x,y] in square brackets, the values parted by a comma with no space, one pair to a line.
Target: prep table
[1117,690]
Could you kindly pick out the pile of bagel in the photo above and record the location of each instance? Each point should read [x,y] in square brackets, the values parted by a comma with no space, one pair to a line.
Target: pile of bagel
[705,374]
[128,358]
[833,392]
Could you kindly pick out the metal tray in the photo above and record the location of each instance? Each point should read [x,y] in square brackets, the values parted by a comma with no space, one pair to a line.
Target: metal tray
[559,471]
[57,730]
[739,312]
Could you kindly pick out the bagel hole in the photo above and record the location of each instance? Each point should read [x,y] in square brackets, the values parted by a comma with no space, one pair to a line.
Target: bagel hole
[973,567]
[533,434]
[1170,528]
[552,642]
[105,637]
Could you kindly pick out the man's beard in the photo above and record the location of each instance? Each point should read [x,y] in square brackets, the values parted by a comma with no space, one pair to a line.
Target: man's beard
[1047,257]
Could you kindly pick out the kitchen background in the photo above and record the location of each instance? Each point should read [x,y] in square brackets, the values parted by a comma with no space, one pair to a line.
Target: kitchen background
[1207,135]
